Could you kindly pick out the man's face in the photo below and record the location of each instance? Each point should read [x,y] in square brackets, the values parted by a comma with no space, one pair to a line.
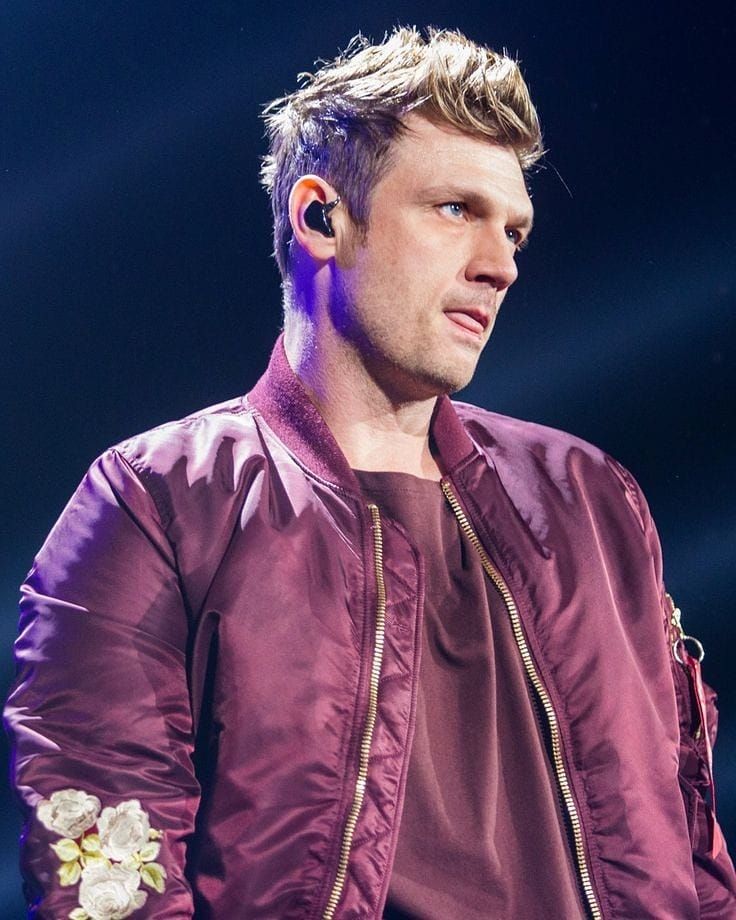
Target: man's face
[417,299]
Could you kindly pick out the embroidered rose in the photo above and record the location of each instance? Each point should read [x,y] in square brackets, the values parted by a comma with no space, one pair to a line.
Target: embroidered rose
[123,829]
[110,892]
[69,812]
[109,853]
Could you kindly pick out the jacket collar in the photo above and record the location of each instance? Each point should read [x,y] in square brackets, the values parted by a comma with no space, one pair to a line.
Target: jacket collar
[280,397]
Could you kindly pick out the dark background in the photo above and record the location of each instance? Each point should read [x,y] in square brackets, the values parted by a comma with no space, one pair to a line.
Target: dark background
[137,284]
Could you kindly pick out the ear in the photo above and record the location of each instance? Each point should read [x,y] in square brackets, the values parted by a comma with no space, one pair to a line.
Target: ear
[306,191]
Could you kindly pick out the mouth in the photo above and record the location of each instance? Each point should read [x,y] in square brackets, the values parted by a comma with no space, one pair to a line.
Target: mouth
[473,320]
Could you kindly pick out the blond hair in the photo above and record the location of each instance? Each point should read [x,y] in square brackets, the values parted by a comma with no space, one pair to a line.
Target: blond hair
[341,122]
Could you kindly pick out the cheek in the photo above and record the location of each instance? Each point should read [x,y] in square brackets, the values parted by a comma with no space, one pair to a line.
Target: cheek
[402,268]
[380,274]
[419,264]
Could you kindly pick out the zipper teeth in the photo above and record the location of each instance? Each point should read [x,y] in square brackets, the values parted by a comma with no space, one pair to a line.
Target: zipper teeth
[369,725]
[544,698]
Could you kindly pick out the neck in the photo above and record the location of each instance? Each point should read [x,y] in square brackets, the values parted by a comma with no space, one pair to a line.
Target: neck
[375,431]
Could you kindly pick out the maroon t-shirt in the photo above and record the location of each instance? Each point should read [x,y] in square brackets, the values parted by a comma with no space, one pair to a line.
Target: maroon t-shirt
[481,834]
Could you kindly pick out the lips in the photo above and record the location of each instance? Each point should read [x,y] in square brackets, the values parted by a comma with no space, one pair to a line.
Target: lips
[470,320]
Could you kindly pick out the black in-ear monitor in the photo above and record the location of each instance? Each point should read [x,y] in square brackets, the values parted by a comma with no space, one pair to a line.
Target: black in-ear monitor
[316,217]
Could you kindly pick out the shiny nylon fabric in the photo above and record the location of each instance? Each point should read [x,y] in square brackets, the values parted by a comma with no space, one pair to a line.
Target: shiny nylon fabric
[584,568]
[244,593]
[197,633]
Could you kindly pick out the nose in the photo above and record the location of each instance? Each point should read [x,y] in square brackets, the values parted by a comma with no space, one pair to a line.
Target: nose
[492,259]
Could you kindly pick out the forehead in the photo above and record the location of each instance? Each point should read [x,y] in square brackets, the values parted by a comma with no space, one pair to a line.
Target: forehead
[429,154]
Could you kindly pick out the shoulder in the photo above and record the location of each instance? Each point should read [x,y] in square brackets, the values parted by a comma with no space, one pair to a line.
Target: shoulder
[186,463]
[495,432]
[528,455]
[196,438]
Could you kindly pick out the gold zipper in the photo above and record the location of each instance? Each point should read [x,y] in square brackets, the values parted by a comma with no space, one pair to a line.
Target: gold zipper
[369,725]
[544,698]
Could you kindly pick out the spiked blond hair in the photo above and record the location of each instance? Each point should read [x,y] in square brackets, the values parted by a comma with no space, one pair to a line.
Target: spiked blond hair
[341,122]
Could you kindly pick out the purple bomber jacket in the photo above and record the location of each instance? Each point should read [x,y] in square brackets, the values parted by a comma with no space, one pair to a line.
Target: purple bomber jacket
[218,661]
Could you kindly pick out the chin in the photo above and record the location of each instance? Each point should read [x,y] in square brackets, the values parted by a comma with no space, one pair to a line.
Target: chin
[443,383]
[410,380]
[456,377]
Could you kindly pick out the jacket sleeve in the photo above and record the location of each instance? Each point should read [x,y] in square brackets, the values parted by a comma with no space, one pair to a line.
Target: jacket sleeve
[99,714]
[715,879]
[713,870]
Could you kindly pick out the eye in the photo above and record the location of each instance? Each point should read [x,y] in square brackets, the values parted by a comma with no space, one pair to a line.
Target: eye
[454,209]
[517,238]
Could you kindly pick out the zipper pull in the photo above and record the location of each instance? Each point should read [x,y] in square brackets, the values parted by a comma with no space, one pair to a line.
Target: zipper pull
[679,638]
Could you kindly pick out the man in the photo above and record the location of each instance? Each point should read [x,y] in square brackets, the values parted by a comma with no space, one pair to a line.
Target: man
[342,648]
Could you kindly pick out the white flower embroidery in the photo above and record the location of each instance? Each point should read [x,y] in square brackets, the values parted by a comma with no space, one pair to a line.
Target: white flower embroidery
[108,861]
[123,830]
[110,893]
[69,812]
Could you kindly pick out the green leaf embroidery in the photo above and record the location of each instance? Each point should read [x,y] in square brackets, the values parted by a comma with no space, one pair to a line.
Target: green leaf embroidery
[149,852]
[91,843]
[153,875]
[66,849]
[94,859]
[69,873]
